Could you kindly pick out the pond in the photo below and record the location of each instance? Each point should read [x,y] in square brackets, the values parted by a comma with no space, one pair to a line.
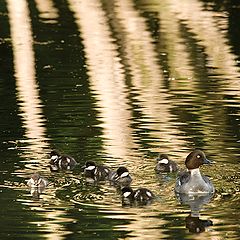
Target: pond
[118,82]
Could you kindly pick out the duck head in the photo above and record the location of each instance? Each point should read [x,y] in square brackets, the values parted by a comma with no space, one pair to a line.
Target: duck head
[195,159]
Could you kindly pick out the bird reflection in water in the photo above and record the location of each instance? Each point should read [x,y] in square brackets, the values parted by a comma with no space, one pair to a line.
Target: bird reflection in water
[36,192]
[196,225]
[193,222]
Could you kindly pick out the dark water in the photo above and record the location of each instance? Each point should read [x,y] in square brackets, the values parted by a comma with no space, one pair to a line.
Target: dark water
[117,82]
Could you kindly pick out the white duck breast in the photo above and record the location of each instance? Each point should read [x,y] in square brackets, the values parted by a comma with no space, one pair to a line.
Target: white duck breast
[194,183]
[197,177]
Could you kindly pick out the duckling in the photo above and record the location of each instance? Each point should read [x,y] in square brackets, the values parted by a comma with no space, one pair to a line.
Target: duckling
[37,181]
[121,177]
[140,195]
[61,162]
[96,172]
[165,165]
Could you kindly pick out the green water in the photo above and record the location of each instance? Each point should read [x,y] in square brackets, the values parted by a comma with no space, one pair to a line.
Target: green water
[117,82]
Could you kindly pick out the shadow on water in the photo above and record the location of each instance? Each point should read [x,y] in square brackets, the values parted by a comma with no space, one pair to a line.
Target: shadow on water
[118,82]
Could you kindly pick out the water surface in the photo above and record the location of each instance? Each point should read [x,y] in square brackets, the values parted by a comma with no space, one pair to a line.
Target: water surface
[117,82]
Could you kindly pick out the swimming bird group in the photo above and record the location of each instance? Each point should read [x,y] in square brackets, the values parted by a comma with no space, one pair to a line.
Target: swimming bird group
[188,182]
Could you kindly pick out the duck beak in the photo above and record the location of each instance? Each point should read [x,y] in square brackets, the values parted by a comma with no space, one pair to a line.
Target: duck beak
[207,161]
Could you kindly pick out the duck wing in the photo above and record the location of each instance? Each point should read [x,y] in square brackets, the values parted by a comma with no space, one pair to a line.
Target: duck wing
[184,177]
[207,180]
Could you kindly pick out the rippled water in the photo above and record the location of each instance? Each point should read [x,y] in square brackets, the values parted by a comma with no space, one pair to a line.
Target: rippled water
[117,82]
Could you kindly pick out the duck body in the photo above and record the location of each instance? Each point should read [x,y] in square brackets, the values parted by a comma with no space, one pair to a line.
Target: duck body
[143,195]
[192,181]
[139,196]
[61,162]
[96,172]
[120,177]
[165,165]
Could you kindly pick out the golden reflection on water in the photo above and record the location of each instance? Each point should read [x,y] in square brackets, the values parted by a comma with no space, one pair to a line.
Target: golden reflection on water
[150,222]
[50,219]
[29,100]
[106,77]
[107,81]
[107,71]
[30,105]
[144,223]
[147,78]
[206,29]
[47,10]
[209,34]
[175,46]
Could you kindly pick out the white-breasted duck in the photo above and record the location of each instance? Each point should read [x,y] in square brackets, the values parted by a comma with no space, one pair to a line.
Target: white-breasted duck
[192,181]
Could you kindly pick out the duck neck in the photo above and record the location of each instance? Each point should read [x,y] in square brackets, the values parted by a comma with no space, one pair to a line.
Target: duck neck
[195,172]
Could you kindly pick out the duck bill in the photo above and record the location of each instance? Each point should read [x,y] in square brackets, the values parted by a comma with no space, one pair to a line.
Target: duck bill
[207,161]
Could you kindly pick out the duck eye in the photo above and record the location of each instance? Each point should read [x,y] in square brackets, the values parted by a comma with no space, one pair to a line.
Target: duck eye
[198,156]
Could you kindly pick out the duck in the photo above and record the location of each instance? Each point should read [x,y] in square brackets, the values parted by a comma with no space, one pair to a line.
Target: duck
[140,195]
[191,181]
[120,177]
[37,181]
[96,172]
[61,162]
[165,165]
